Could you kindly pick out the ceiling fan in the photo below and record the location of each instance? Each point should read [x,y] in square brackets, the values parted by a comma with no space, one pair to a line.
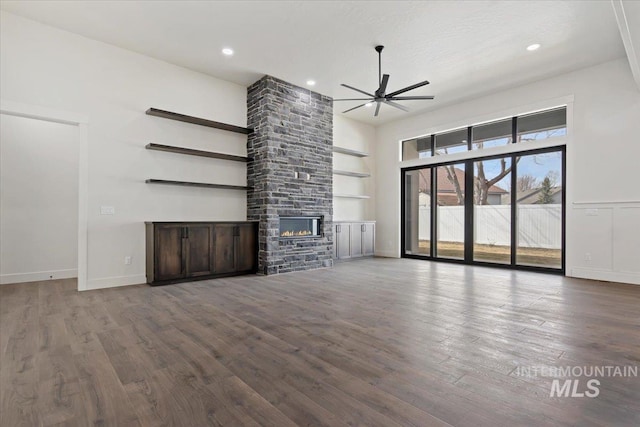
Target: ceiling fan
[380,96]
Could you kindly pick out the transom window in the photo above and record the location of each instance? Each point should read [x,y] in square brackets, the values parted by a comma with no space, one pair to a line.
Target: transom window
[527,127]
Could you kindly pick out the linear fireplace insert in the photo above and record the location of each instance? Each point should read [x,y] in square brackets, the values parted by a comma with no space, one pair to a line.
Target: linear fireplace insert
[292,227]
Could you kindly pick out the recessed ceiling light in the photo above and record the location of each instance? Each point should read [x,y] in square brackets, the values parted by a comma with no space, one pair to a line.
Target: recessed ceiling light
[368,104]
[311,82]
[533,47]
[227,51]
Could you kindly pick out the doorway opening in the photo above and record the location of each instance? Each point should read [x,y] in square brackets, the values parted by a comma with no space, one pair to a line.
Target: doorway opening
[39,198]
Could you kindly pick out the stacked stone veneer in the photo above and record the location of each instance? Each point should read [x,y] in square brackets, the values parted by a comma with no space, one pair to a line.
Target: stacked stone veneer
[293,132]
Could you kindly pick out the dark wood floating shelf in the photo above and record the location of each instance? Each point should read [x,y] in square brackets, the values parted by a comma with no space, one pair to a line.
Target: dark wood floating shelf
[349,173]
[349,152]
[192,152]
[196,184]
[197,121]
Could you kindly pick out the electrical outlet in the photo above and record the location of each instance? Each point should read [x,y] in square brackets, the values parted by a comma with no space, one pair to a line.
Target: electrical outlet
[127,260]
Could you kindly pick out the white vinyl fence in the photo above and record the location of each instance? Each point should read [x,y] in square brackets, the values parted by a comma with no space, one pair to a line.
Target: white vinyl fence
[539,226]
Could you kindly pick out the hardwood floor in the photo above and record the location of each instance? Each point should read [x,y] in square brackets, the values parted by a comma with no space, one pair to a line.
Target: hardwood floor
[375,342]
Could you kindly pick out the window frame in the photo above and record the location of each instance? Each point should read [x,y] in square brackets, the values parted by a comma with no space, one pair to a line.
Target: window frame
[470,152]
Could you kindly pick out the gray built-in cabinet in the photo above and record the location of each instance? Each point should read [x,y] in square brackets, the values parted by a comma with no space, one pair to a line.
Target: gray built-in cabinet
[353,239]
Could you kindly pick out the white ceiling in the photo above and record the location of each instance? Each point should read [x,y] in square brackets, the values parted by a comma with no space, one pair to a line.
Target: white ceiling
[465,48]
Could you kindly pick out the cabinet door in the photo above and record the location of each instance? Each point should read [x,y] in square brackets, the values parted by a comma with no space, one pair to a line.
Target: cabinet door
[169,252]
[224,253]
[246,247]
[343,241]
[368,239]
[199,250]
[356,240]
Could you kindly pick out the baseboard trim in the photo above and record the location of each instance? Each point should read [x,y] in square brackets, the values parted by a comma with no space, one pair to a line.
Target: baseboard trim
[605,275]
[384,254]
[114,282]
[38,276]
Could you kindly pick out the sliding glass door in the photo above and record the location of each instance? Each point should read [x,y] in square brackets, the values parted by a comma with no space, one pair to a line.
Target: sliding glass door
[417,206]
[539,210]
[492,210]
[450,199]
[505,210]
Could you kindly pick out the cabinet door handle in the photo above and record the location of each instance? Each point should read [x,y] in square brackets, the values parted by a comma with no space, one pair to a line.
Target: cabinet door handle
[186,232]
[236,231]
[337,228]
[363,227]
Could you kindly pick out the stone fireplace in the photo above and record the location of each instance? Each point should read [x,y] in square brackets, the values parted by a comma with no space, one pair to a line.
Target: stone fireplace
[290,174]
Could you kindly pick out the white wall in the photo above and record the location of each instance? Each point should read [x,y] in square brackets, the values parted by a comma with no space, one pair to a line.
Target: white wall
[43,66]
[38,200]
[348,133]
[602,158]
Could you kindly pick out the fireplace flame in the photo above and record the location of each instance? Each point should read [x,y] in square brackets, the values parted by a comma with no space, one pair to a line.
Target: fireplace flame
[289,233]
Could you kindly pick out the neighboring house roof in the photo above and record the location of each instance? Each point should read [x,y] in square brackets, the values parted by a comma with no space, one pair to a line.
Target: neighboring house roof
[531,196]
[445,186]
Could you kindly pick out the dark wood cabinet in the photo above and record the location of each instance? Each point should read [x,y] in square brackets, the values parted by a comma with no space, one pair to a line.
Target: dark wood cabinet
[353,239]
[246,247]
[199,250]
[225,259]
[169,239]
[184,251]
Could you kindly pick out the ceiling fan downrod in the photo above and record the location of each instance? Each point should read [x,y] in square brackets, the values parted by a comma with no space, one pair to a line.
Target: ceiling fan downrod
[379,50]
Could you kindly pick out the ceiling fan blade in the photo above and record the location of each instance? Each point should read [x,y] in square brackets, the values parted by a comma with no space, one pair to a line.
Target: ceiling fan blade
[396,105]
[354,99]
[409,98]
[351,109]
[383,84]
[377,109]
[357,90]
[408,88]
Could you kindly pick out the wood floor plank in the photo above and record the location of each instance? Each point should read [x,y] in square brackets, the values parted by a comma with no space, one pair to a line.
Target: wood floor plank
[105,399]
[59,391]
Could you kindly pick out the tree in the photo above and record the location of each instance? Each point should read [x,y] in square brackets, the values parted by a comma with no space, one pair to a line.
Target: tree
[453,179]
[545,197]
[481,184]
[527,182]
